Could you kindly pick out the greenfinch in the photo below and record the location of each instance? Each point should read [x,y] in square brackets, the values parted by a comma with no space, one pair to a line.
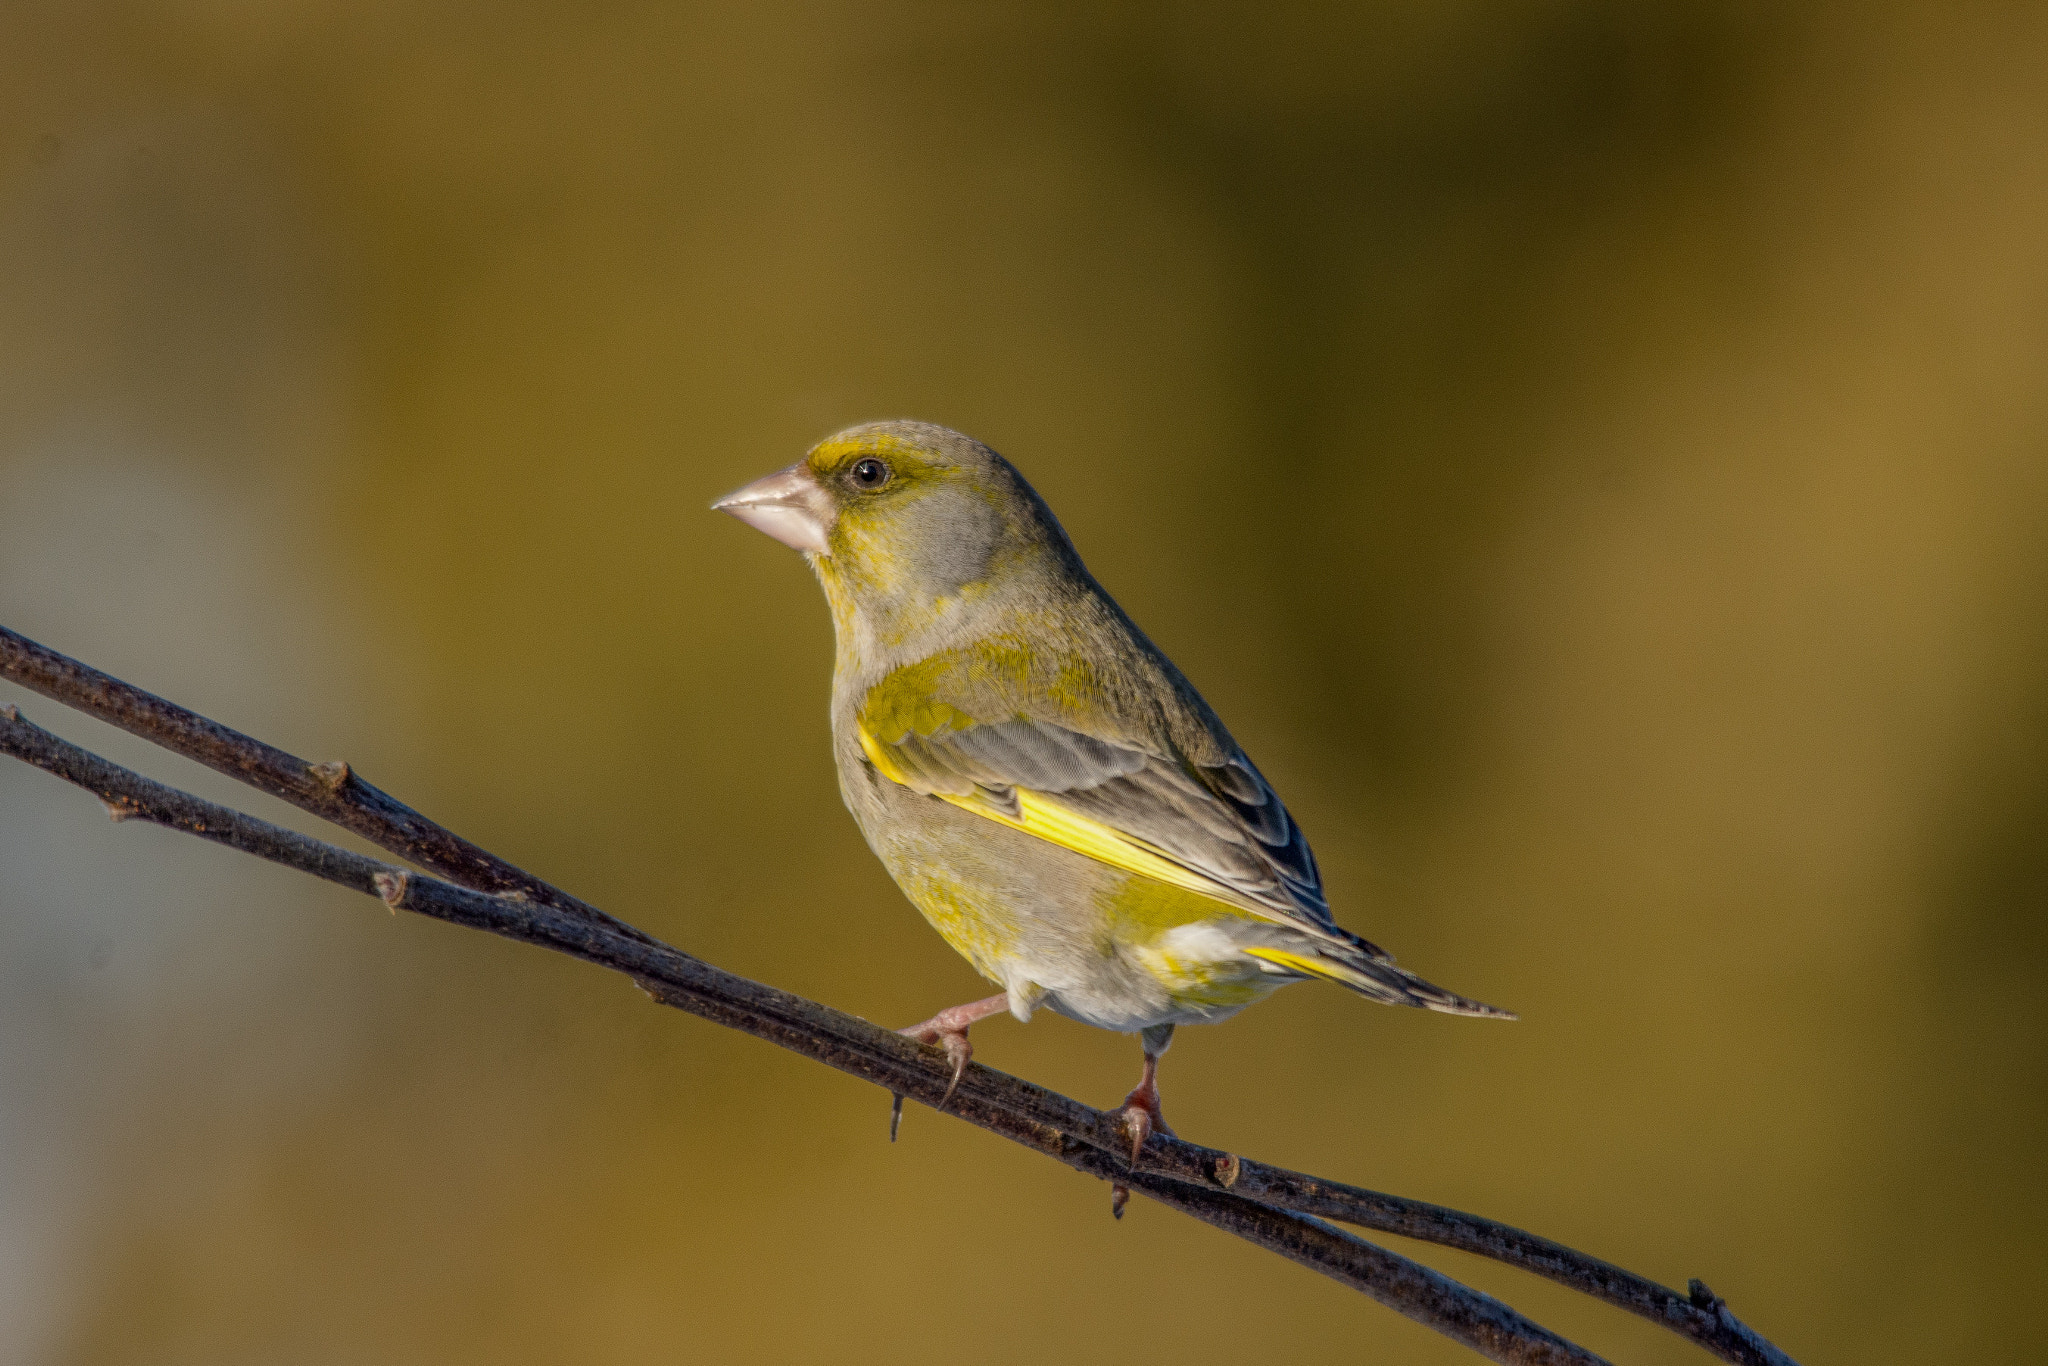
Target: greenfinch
[1042,783]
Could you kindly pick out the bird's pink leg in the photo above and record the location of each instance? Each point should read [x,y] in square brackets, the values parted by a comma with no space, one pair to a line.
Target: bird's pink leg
[1140,1116]
[948,1029]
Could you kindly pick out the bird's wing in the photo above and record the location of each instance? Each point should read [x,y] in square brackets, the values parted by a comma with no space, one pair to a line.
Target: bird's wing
[1216,828]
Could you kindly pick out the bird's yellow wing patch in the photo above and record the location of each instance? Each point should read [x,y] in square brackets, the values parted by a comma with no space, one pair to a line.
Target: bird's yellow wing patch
[1305,964]
[1043,816]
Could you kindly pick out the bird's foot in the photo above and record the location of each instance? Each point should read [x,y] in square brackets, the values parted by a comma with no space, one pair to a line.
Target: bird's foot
[953,1039]
[947,1029]
[1139,1119]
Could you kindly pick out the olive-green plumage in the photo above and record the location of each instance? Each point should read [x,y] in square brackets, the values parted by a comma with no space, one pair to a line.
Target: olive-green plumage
[1039,779]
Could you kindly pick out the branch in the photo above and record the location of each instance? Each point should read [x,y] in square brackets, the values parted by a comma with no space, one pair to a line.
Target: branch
[1065,1130]
[1240,1195]
[331,791]
[1702,1316]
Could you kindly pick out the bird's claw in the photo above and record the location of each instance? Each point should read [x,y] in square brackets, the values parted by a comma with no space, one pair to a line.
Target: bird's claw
[1140,1119]
[1139,1123]
[948,1029]
[959,1052]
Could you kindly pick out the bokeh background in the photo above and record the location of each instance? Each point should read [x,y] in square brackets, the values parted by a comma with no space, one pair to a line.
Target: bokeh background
[1591,451]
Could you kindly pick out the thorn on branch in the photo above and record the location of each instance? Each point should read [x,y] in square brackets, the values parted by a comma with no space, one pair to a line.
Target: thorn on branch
[332,775]
[392,887]
[11,712]
[656,992]
[1703,1298]
[117,809]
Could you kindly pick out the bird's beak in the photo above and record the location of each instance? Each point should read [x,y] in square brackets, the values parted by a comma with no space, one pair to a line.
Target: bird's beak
[787,505]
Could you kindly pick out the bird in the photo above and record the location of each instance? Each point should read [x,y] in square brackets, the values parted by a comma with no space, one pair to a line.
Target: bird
[1039,779]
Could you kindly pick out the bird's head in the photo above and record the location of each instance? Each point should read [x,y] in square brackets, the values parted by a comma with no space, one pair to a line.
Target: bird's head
[899,517]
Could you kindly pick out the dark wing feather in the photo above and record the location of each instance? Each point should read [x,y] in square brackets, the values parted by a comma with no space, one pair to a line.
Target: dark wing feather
[1223,822]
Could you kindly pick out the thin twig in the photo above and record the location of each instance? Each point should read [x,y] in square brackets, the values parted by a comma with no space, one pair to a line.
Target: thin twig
[1702,1316]
[1082,1138]
[332,791]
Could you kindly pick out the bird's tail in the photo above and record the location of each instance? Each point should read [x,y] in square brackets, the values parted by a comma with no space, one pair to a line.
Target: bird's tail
[1371,974]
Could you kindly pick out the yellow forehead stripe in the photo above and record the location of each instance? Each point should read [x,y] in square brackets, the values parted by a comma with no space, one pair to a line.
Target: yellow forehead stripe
[832,451]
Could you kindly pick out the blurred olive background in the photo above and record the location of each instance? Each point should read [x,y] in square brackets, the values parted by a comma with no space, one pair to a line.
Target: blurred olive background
[1592,452]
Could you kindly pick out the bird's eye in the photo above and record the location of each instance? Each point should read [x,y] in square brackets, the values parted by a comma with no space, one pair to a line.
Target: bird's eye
[869,473]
